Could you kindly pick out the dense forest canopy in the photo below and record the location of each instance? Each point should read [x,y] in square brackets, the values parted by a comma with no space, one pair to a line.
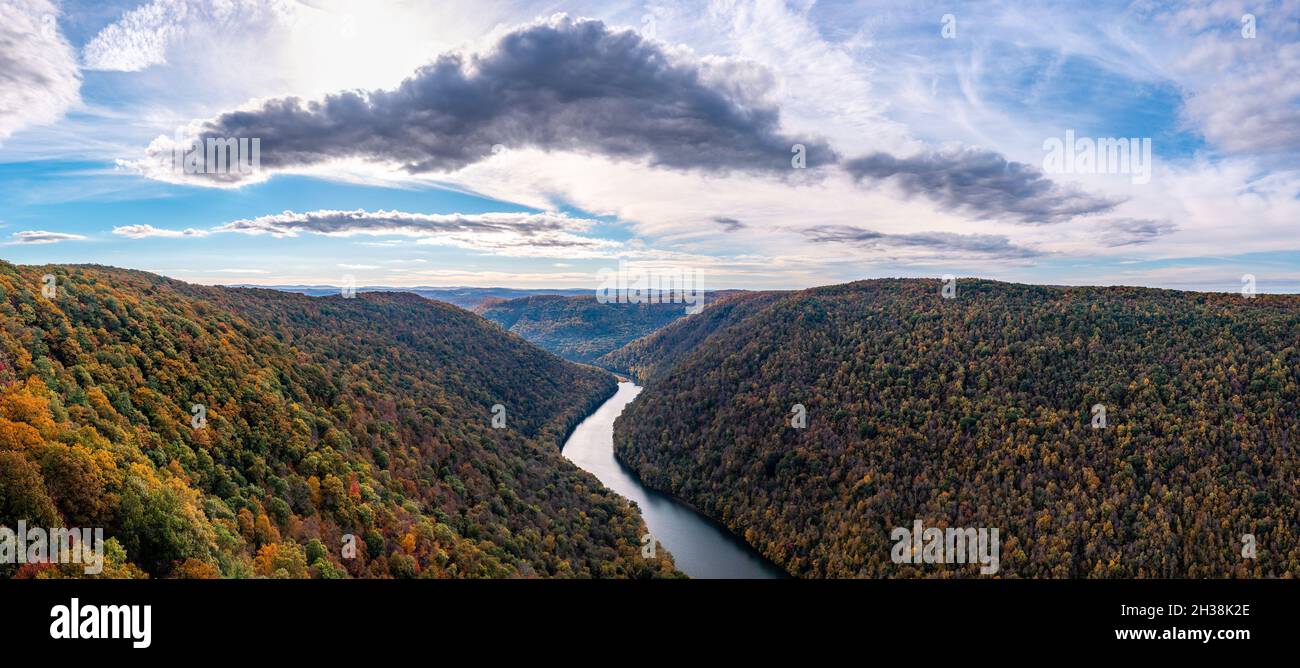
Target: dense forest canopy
[579,328]
[978,412]
[324,417]
[651,355]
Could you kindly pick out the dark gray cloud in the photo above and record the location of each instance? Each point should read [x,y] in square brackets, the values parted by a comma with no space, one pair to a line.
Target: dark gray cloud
[515,233]
[729,224]
[990,245]
[982,183]
[564,84]
[1134,231]
[841,234]
[402,223]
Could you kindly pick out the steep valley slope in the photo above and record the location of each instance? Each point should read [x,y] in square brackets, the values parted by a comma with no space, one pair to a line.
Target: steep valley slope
[979,411]
[219,432]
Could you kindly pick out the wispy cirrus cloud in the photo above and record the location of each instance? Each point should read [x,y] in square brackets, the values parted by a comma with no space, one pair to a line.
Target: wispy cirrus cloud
[142,37]
[139,39]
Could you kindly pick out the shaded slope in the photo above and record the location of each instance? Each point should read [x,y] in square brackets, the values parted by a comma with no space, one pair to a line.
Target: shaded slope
[975,412]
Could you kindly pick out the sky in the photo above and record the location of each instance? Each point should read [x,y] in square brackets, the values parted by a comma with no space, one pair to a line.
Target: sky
[758,144]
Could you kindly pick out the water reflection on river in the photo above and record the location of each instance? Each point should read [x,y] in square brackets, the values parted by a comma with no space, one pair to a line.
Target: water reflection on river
[701,548]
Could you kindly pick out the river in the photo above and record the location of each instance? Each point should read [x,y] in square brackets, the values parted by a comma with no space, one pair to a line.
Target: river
[701,548]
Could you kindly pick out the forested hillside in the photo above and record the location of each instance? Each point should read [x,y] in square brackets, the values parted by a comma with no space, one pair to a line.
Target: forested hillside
[976,412]
[579,328]
[322,417]
[646,357]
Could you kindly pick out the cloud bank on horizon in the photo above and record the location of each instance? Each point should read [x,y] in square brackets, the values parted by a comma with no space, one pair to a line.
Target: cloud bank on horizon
[764,143]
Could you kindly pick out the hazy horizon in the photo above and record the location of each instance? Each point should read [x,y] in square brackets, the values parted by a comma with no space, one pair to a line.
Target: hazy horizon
[576,288]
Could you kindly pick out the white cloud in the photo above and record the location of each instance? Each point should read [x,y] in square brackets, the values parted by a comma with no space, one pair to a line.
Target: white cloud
[146,231]
[139,39]
[39,80]
[1243,93]
[42,237]
[823,88]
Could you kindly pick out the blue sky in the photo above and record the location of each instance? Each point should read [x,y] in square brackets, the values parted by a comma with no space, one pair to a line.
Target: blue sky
[545,147]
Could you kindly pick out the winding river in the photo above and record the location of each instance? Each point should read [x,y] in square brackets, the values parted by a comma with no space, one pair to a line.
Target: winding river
[701,548]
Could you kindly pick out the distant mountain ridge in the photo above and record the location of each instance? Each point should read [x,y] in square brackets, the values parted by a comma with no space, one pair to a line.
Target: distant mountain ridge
[579,328]
[468,298]
[646,357]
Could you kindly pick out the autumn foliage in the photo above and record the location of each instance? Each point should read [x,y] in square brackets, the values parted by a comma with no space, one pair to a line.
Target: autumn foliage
[579,328]
[328,422]
[977,412]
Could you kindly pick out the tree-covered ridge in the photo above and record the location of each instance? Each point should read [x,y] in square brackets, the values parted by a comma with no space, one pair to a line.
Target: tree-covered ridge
[324,417]
[648,356]
[976,412]
[579,328]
